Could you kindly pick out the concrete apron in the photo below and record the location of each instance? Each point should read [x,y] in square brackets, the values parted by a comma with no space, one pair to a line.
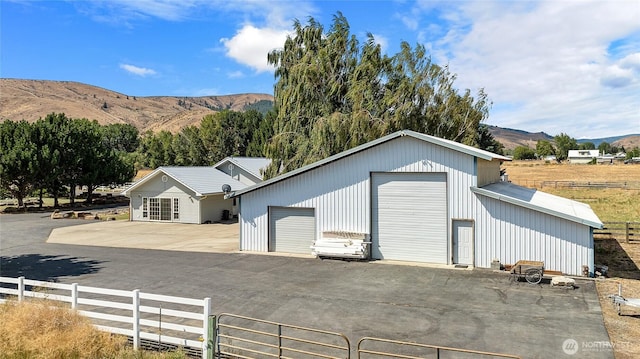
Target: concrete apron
[211,238]
[214,238]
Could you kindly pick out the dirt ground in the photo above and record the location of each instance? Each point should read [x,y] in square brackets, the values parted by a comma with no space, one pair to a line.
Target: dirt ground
[623,259]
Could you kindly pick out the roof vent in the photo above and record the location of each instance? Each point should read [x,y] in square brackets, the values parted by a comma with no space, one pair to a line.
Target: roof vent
[226,188]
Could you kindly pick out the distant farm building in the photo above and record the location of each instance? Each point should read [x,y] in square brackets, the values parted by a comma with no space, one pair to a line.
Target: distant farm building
[582,156]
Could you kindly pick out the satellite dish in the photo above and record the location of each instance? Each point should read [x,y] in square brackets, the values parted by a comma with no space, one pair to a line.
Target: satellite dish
[226,188]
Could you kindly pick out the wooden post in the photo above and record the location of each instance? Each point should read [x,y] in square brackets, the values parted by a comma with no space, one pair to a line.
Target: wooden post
[626,230]
[20,289]
[207,348]
[74,296]
[136,319]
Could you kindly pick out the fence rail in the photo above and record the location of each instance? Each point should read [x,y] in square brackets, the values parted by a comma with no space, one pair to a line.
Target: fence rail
[142,316]
[628,232]
[385,348]
[578,184]
[245,337]
[231,336]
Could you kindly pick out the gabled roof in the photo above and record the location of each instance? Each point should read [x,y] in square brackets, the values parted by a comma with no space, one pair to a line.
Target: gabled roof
[201,180]
[253,165]
[542,202]
[472,151]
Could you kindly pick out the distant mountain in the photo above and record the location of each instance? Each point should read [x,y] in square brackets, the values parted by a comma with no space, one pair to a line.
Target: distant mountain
[511,138]
[33,99]
[627,140]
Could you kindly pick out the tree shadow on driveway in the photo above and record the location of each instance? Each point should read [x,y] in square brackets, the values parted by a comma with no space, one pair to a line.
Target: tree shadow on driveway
[46,268]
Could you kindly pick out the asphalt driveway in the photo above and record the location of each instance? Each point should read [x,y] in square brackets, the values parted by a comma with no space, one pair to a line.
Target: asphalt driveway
[477,309]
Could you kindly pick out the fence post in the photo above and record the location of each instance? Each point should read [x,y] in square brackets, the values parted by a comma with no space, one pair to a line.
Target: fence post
[211,340]
[136,319]
[20,289]
[206,329]
[626,232]
[279,341]
[74,295]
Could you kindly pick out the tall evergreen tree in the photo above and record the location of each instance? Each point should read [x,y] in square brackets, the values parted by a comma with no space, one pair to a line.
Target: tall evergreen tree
[18,161]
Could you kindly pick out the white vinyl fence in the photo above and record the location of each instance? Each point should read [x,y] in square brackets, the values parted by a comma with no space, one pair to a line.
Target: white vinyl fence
[158,319]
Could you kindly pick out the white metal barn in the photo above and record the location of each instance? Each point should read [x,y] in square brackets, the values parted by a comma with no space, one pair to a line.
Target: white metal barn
[418,198]
[181,194]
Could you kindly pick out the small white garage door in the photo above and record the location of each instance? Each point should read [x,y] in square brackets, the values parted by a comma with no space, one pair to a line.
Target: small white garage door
[410,217]
[291,229]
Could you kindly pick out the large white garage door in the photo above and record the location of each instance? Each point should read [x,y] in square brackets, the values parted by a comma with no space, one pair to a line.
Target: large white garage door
[291,230]
[410,217]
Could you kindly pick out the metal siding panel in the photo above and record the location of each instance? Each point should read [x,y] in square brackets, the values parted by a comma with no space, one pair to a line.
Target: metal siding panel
[511,233]
[410,217]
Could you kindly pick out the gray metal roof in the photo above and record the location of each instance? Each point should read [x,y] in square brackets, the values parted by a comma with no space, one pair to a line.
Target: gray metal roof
[201,180]
[252,165]
[472,151]
[542,202]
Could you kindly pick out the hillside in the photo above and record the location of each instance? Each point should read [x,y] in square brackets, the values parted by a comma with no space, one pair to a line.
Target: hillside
[628,142]
[33,99]
[511,138]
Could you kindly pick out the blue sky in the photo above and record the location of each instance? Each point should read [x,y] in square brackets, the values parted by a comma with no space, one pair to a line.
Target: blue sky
[555,66]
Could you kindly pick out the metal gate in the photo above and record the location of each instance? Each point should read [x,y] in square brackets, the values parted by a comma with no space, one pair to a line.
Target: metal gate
[245,337]
[385,348]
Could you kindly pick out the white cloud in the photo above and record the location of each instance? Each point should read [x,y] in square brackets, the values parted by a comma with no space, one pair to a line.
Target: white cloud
[271,23]
[250,46]
[382,41]
[544,63]
[631,61]
[139,71]
[614,76]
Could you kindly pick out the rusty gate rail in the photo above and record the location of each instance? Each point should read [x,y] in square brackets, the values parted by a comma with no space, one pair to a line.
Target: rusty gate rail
[241,337]
[436,349]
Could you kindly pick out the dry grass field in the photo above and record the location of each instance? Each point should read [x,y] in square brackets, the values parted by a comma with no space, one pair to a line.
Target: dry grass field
[610,205]
[42,329]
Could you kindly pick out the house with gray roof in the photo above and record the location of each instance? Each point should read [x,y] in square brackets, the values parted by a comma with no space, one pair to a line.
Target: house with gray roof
[184,195]
[417,198]
[247,170]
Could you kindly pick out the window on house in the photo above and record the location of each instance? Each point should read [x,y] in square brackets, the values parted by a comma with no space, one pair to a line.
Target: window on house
[145,207]
[165,209]
[176,208]
[154,209]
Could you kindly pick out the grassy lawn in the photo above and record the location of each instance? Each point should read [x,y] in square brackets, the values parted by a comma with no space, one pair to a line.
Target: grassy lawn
[611,205]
